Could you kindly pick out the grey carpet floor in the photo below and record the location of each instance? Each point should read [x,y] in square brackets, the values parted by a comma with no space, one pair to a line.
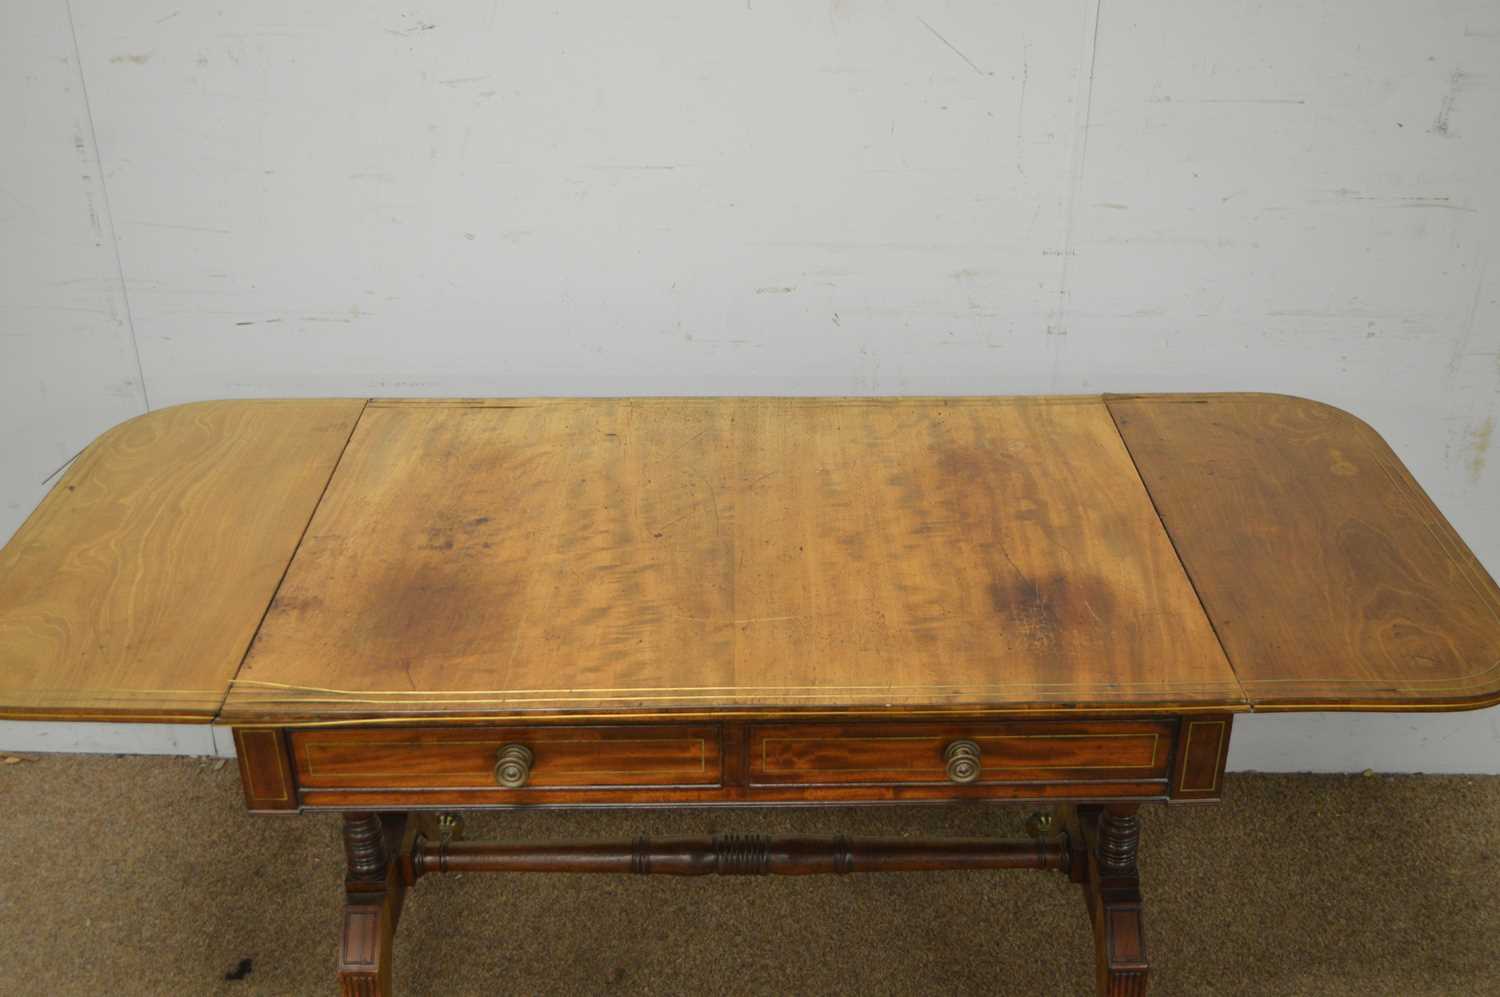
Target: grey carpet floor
[145,876]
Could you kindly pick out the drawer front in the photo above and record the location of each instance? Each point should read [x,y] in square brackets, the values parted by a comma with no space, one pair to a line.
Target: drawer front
[915,754]
[465,757]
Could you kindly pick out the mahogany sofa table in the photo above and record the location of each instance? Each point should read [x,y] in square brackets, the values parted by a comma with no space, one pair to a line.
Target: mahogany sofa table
[410,608]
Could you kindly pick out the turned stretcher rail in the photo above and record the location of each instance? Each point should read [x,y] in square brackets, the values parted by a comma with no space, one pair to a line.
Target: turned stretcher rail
[743,855]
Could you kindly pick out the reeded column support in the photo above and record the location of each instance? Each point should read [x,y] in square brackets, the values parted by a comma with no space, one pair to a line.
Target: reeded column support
[1119,840]
[364,847]
[373,894]
[1106,841]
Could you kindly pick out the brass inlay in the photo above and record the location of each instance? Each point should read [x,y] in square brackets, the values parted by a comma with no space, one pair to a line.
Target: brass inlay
[103,716]
[86,690]
[1373,706]
[1187,749]
[765,764]
[249,770]
[829,698]
[1404,683]
[307,743]
[752,714]
[716,401]
[264,688]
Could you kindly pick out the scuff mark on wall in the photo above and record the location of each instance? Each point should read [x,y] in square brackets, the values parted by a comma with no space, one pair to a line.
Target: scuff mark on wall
[954,48]
[1479,448]
[1169,99]
[1021,109]
[1084,103]
[87,160]
[1443,201]
[172,225]
[1456,83]
[414,29]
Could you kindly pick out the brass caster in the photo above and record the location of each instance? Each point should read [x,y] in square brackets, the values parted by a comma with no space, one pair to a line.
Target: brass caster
[1040,824]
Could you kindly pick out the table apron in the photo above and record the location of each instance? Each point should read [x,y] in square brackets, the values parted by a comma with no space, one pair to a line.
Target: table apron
[733,763]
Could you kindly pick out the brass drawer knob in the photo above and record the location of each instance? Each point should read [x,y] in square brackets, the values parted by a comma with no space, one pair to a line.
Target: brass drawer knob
[513,765]
[963,761]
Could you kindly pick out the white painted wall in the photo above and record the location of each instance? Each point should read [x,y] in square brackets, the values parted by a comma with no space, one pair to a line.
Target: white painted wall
[672,196]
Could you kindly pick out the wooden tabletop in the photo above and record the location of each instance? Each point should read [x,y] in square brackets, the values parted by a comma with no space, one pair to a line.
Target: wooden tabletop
[319,561]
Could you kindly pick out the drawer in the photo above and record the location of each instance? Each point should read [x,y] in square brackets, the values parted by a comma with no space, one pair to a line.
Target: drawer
[466,757]
[919,754]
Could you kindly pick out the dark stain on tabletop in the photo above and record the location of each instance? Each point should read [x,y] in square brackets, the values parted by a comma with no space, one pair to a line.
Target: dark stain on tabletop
[1038,612]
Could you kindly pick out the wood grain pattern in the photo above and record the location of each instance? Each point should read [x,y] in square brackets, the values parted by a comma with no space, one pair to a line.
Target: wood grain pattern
[133,590]
[464,757]
[265,770]
[1201,752]
[736,796]
[739,763]
[740,559]
[1331,578]
[729,555]
[831,754]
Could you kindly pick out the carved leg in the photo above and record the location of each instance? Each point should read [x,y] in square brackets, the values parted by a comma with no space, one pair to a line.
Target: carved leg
[373,893]
[1110,836]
